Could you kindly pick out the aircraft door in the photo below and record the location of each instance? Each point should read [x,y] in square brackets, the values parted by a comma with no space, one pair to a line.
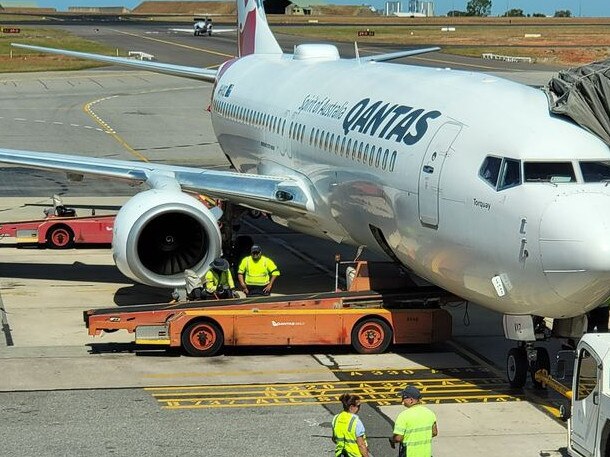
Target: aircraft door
[430,172]
[585,403]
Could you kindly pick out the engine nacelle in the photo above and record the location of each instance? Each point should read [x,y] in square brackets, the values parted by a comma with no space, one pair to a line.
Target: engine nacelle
[159,233]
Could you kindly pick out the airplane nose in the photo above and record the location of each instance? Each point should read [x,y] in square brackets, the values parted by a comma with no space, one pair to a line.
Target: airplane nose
[575,246]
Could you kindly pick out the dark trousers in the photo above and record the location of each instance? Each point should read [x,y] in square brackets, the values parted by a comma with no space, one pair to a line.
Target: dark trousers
[257,290]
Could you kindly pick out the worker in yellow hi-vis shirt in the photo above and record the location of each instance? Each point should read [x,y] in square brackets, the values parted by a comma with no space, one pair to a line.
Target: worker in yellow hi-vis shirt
[415,427]
[257,273]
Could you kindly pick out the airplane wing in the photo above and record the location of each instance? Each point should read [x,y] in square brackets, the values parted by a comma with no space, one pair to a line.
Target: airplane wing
[214,30]
[202,74]
[278,195]
[397,55]
[191,30]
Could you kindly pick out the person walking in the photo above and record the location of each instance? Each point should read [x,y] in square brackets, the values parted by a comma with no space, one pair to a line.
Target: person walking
[218,281]
[415,427]
[348,430]
[257,273]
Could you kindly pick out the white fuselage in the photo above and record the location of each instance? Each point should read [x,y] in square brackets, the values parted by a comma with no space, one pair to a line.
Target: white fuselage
[392,154]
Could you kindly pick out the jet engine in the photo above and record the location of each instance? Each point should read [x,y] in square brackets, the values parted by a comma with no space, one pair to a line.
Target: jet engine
[159,233]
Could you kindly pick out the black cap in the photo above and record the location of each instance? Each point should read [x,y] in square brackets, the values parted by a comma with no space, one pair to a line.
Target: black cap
[256,248]
[411,392]
[220,264]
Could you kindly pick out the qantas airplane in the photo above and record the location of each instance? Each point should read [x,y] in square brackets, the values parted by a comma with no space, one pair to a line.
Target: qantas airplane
[465,179]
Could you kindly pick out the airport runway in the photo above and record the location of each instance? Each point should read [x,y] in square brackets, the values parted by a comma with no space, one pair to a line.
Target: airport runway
[64,393]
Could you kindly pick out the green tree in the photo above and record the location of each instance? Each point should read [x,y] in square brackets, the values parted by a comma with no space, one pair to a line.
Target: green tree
[563,13]
[478,8]
[456,13]
[538,15]
[515,12]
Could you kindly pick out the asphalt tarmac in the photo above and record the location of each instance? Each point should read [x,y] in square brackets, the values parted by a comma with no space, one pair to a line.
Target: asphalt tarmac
[65,393]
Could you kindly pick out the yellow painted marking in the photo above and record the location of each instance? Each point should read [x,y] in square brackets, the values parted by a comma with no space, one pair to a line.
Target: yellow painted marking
[180,45]
[266,402]
[88,110]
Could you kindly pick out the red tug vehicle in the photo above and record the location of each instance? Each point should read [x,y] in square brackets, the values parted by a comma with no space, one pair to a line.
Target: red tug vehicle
[61,228]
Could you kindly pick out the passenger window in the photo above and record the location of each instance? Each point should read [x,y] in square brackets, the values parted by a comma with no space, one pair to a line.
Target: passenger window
[354,148]
[337,144]
[393,161]
[490,170]
[342,146]
[360,148]
[553,172]
[587,375]
[385,159]
[366,154]
[595,171]
[378,158]
[510,175]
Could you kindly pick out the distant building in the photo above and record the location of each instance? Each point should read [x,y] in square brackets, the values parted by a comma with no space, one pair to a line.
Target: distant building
[423,8]
[392,8]
[295,10]
[98,9]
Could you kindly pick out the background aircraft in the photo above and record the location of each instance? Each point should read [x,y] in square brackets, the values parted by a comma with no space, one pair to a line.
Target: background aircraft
[465,179]
[202,26]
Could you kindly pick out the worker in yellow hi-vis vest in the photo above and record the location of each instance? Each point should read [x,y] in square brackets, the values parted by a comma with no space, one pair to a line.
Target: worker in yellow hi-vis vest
[348,431]
[257,273]
[415,427]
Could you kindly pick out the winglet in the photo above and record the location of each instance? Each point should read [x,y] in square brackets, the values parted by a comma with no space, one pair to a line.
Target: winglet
[254,34]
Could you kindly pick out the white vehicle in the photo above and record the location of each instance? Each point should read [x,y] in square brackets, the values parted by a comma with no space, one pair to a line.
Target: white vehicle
[589,424]
[464,178]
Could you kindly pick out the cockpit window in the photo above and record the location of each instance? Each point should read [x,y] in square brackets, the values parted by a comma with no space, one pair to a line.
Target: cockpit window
[595,171]
[501,173]
[510,174]
[490,170]
[553,172]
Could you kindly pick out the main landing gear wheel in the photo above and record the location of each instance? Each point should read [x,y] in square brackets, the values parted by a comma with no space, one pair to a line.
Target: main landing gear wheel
[202,339]
[371,336]
[543,362]
[516,367]
[60,237]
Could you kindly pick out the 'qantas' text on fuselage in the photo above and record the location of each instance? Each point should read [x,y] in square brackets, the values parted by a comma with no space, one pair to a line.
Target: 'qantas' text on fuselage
[390,121]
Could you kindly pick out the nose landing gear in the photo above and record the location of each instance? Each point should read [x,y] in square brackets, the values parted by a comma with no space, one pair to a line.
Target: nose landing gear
[526,357]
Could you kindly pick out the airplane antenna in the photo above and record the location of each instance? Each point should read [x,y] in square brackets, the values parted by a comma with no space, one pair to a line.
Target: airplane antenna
[356,50]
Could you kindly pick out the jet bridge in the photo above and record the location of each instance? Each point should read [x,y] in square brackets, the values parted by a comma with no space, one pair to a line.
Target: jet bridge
[583,94]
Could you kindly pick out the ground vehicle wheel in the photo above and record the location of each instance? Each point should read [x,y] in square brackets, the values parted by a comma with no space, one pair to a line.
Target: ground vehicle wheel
[371,336]
[543,362]
[202,338]
[516,367]
[60,237]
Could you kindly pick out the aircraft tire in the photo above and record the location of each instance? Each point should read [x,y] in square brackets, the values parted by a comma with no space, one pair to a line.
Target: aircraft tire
[543,362]
[516,367]
[202,338]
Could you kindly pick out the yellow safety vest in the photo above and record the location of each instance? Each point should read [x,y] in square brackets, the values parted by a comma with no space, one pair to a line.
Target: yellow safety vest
[212,280]
[258,273]
[344,434]
[415,424]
